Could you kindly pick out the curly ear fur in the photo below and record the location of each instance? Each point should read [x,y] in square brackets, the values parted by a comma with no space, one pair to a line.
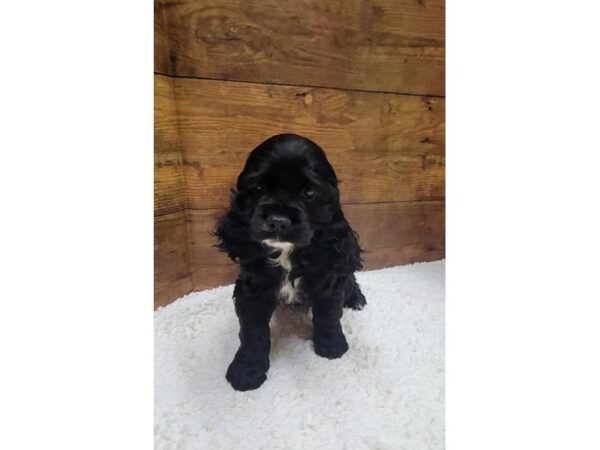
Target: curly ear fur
[232,232]
[345,244]
[226,233]
[332,249]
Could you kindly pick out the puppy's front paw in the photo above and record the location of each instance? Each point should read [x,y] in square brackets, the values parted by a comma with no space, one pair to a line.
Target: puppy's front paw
[330,345]
[247,372]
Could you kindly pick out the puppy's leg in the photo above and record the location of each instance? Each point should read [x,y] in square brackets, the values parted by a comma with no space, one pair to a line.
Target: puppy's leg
[328,337]
[251,362]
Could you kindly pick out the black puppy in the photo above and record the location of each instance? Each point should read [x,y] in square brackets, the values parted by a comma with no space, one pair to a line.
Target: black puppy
[288,233]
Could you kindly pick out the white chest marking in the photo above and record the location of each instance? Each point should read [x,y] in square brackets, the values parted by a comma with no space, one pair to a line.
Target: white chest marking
[287,290]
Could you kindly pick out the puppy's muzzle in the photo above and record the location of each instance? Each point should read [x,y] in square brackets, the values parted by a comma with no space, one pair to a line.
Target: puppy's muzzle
[278,224]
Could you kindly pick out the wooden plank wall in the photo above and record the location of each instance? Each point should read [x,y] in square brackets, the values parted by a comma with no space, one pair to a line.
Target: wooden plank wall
[364,79]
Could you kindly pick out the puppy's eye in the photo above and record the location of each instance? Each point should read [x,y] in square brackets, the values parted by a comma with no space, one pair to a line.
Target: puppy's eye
[259,188]
[308,193]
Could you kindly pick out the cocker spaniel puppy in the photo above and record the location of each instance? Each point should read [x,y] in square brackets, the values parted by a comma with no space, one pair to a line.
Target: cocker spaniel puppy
[287,230]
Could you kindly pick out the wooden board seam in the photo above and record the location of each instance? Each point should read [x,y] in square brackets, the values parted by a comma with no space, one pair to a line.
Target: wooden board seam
[307,86]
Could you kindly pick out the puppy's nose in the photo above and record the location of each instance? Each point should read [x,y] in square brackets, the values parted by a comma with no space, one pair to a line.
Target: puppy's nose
[278,224]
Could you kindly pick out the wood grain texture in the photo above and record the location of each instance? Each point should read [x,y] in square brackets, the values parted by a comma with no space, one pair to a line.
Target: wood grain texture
[399,233]
[384,147]
[210,266]
[161,37]
[169,193]
[391,233]
[331,70]
[375,45]
[172,274]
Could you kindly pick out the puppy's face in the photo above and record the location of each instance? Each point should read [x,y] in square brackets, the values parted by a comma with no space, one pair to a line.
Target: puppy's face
[288,189]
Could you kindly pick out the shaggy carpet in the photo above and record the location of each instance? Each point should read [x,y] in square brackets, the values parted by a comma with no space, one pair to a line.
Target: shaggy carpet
[386,392]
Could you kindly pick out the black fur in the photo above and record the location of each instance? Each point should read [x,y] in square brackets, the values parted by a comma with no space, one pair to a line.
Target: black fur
[288,191]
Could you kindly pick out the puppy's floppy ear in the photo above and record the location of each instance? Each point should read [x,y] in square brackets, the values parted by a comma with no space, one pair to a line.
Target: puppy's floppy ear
[326,174]
[332,188]
[345,244]
[226,231]
[233,232]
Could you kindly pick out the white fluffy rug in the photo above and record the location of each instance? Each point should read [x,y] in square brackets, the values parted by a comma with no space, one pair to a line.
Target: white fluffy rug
[386,392]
